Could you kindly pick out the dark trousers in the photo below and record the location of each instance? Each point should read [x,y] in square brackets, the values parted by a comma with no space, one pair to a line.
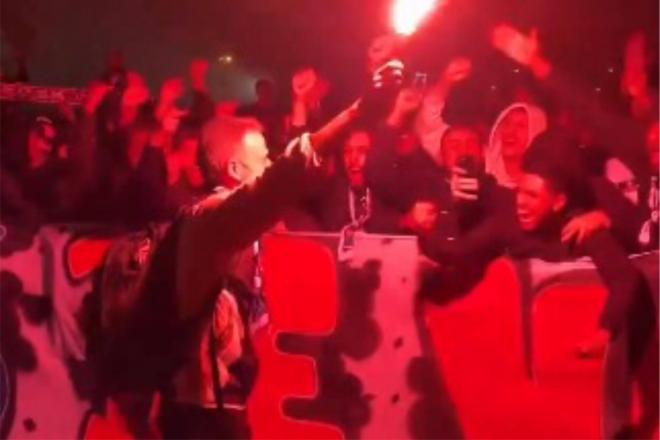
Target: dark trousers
[621,375]
[186,421]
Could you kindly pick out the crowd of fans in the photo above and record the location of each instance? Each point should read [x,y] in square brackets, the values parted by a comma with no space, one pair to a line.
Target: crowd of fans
[417,160]
[127,157]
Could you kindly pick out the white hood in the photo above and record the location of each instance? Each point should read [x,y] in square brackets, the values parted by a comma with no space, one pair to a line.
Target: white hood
[493,154]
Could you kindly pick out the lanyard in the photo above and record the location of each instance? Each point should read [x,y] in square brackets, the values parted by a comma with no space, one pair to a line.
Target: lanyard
[358,222]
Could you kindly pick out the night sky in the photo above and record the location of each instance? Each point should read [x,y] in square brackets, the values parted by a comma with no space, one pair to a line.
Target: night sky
[66,40]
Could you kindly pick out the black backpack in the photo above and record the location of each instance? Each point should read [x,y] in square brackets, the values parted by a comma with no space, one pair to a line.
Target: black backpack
[123,274]
[142,342]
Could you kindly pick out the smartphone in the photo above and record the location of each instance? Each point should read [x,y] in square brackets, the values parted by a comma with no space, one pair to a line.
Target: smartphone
[420,80]
[469,164]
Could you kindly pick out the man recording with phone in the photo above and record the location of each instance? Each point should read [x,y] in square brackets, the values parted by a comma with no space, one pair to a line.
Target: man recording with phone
[469,198]
[475,194]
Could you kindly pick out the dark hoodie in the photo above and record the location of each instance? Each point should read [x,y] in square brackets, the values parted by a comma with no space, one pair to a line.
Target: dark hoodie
[399,180]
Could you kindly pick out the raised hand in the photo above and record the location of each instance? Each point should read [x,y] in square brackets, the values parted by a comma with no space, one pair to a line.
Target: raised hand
[457,70]
[521,48]
[407,101]
[381,50]
[464,186]
[389,73]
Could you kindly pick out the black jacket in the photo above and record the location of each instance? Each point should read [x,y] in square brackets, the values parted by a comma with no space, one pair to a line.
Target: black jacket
[334,211]
[500,235]
[186,272]
[401,180]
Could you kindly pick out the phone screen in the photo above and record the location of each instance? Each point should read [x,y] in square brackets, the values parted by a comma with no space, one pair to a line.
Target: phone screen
[420,80]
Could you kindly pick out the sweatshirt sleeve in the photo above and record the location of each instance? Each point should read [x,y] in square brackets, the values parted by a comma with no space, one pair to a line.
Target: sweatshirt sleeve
[620,135]
[627,219]
[628,300]
[479,246]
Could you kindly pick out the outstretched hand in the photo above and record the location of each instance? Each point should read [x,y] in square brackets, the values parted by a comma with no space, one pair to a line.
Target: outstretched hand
[321,139]
[457,70]
[521,48]
[583,226]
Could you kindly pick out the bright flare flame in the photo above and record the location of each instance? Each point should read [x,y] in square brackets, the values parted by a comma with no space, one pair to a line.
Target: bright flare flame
[408,14]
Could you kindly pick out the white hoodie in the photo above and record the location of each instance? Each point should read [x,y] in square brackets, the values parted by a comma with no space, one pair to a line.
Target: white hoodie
[493,154]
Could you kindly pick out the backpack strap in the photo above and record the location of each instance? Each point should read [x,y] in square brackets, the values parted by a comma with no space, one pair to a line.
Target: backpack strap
[214,353]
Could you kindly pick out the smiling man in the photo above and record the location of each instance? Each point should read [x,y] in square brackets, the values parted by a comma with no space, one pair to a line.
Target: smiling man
[349,199]
[188,332]
[511,136]
[555,220]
